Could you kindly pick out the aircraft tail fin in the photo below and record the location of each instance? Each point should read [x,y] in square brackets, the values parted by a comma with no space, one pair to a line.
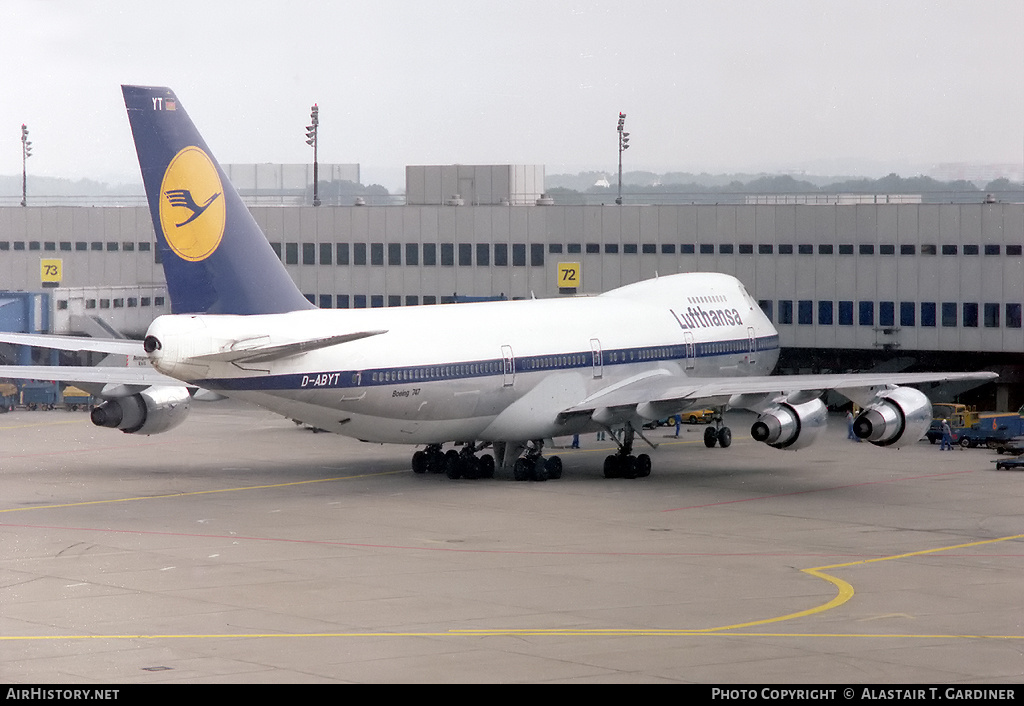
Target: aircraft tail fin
[215,257]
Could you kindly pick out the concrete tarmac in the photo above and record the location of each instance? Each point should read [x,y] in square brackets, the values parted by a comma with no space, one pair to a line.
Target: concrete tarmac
[240,548]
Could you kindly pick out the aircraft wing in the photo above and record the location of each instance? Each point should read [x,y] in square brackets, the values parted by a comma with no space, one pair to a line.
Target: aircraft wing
[669,393]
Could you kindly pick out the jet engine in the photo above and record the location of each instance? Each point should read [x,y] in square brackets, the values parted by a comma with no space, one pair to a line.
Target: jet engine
[152,411]
[791,426]
[898,416]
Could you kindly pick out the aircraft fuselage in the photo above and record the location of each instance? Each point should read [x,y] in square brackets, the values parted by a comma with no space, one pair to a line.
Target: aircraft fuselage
[492,371]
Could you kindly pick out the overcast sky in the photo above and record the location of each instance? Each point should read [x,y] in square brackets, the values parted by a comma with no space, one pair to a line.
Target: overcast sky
[860,86]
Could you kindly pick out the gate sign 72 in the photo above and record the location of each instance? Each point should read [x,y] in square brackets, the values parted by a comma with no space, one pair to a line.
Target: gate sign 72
[569,275]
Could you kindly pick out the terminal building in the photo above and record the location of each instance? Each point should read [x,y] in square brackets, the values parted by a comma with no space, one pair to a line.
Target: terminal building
[890,283]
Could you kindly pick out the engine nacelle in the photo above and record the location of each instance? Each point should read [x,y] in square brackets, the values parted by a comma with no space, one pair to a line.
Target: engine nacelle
[152,411]
[791,426]
[897,417]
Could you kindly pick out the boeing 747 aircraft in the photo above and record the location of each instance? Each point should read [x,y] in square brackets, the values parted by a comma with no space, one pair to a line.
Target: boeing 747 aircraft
[502,376]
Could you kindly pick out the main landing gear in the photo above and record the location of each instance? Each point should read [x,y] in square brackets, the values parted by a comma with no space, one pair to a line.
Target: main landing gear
[454,464]
[624,464]
[466,464]
[717,434]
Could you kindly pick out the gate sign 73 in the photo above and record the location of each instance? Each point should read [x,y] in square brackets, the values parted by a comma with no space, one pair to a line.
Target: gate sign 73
[50,270]
[569,275]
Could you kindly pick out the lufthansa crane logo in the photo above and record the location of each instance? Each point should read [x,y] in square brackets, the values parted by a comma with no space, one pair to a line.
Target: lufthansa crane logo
[192,209]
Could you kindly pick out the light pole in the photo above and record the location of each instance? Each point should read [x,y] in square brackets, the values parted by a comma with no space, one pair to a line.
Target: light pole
[623,146]
[26,152]
[311,132]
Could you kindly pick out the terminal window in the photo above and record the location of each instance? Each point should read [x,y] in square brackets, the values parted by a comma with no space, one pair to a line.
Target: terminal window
[785,311]
[465,255]
[291,253]
[907,314]
[325,253]
[359,253]
[575,248]
[483,255]
[501,254]
[429,254]
[394,253]
[825,249]
[949,314]
[412,254]
[928,314]
[309,253]
[668,249]
[1013,316]
[707,249]
[447,255]
[846,313]
[536,255]
[907,249]
[886,313]
[805,249]
[866,314]
[991,315]
[825,313]
[377,254]
[970,312]
[785,248]
[686,249]
[519,254]
[887,249]
[342,252]
[805,308]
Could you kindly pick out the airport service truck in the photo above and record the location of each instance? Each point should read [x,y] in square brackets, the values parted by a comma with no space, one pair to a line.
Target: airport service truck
[971,428]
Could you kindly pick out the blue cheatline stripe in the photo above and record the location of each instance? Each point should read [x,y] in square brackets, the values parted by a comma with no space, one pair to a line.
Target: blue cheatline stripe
[412,374]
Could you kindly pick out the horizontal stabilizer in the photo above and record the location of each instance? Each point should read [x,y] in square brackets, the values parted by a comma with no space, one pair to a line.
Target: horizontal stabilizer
[284,350]
[118,346]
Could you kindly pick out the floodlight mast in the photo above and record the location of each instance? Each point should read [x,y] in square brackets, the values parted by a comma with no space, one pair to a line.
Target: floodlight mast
[311,139]
[623,146]
[26,152]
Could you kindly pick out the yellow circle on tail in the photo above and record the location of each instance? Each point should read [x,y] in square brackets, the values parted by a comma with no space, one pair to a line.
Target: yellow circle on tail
[192,209]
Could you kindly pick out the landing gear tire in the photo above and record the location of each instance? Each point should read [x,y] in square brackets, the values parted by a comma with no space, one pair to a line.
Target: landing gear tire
[487,466]
[522,469]
[725,437]
[553,467]
[643,466]
[419,462]
[710,437]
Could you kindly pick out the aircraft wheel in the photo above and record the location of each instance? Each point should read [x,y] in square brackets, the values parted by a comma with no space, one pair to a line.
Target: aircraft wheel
[487,466]
[710,437]
[470,467]
[643,466]
[453,466]
[725,437]
[419,462]
[522,470]
[553,467]
[627,466]
[611,466]
[540,469]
